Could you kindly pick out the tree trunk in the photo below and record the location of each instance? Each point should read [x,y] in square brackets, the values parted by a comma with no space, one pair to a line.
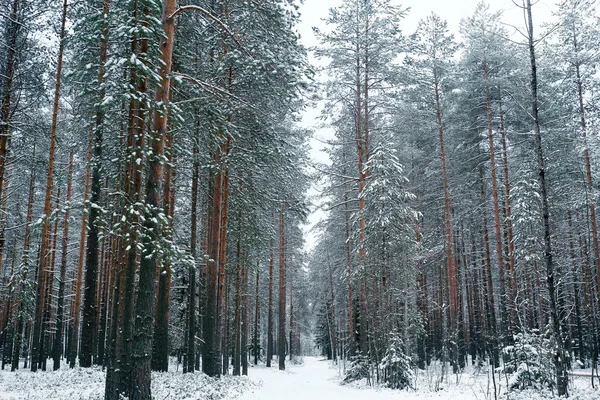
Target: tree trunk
[453,294]
[490,302]
[349,295]
[588,170]
[223,321]
[510,265]
[333,323]
[506,322]
[58,339]
[576,293]
[559,356]
[20,324]
[74,341]
[45,245]
[119,376]
[282,295]
[237,342]
[291,339]
[210,349]
[255,336]
[270,307]
[12,34]
[244,322]
[191,323]
[144,322]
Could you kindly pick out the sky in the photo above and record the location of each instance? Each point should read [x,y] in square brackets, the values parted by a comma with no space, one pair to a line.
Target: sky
[314,11]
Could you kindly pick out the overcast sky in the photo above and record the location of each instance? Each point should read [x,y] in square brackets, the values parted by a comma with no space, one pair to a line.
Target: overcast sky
[313,12]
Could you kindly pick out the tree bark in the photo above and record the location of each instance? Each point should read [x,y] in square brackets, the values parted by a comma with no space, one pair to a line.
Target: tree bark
[282,295]
[89,323]
[453,294]
[510,265]
[244,322]
[74,341]
[12,34]
[490,302]
[256,337]
[560,355]
[270,306]
[191,323]
[237,341]
[45,245]
[58,339]
[142,348]
[26,261]
[507,323]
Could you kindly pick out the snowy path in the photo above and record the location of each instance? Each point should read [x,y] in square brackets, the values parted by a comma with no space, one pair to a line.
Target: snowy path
[316,379]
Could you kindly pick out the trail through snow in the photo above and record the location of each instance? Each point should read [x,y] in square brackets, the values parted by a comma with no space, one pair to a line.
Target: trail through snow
[314,379]
[317,379]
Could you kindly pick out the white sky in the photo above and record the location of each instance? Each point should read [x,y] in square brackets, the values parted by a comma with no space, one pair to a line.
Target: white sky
[313,11]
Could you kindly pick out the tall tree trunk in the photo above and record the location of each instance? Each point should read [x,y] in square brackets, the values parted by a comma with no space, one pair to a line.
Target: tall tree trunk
[332,310]
[360,145]
[581,350]
[144,322]
[507,323]
[255,336]
[191,323]
[291,348]
[452,295]
[510,265]
[244,321]
[12,34]
[559,356]
[58,339]
[270,306]
[74,341]
[490,302]
[237,342]
[216,279]
[588,167]
[3,221]
[349,295]
[107,283]
[9,331]
[160,345]
[210,349]
[119,376]
[22,295]
[45,245]
[222,303]
[49,291]
[89,323]
[282,295]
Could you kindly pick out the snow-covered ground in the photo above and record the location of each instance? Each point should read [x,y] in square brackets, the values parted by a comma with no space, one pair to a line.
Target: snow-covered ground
[319,379]
[314,379]
[88,384]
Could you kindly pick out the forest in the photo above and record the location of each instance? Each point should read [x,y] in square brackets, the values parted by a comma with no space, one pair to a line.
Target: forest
[158,187]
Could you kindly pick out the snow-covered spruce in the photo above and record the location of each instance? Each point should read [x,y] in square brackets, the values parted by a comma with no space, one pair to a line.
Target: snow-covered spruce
[528,362]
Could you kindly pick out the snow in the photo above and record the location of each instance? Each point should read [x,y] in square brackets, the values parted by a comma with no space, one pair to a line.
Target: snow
[315,378]
[319,379]
[88,384]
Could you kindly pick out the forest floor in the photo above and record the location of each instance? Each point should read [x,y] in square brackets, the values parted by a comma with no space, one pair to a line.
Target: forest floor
[319,379]
[313,379]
